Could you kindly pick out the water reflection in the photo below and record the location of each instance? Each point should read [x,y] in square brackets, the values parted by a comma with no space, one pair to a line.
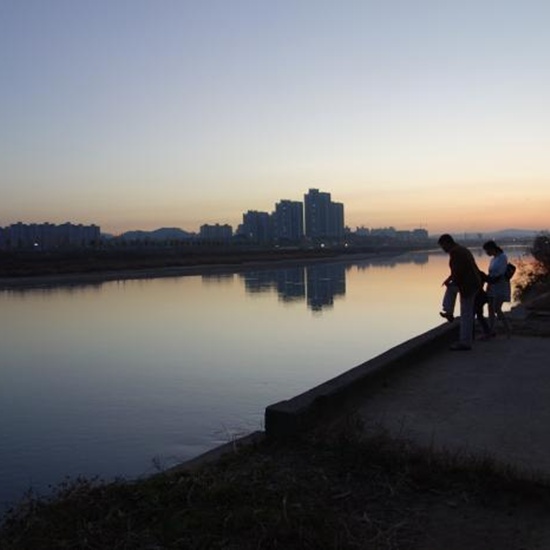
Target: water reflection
[98,379]
[52,290]
[416,258]
[217,278]
[318,285]
[324,283]
[291,285]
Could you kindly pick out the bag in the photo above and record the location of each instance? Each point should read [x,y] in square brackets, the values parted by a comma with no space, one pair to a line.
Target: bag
[510,270]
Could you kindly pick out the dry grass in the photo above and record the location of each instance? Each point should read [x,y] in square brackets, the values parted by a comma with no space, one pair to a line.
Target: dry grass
[341,493]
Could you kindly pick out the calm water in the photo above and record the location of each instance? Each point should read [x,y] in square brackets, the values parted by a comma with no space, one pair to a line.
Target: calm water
[120,378]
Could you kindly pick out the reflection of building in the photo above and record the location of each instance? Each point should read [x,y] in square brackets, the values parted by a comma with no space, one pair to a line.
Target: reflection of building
[320,283]
[217,278]
[323,218]
[317,284]
[259,281]
[324,282]
[291,285]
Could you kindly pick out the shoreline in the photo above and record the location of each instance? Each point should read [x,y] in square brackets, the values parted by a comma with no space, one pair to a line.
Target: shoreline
[103,276]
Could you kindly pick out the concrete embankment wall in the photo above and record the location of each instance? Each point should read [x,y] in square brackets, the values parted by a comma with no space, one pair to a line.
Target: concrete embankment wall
[293,416]
[290,417]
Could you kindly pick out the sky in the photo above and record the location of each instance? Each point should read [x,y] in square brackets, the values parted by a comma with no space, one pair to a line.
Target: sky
[140,114]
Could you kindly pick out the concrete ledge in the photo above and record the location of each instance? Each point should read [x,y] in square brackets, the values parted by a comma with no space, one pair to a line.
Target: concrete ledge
[291,417]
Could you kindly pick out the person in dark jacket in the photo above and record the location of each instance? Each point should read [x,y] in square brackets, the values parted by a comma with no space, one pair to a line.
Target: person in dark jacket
[465,274]
[449,303]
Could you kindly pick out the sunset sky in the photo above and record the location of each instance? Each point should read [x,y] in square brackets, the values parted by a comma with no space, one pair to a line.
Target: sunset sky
[136,114]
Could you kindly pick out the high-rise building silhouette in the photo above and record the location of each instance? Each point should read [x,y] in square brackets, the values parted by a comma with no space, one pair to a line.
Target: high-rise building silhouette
[336,226]
[216,232]
[323,218]
[256,226]
[288,221]
[48,235]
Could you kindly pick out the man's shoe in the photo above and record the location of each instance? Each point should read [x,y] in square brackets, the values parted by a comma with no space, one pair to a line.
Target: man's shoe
[459,346]
[449,316]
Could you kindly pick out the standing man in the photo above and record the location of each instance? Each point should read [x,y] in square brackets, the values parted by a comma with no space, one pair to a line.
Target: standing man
[465,274]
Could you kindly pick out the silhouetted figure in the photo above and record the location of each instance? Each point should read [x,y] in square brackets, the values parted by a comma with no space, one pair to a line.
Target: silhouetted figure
[479,304]
[498,286]
[449,303]
[465,275]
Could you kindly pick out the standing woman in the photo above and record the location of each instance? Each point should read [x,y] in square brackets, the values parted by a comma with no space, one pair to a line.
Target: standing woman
[498,288]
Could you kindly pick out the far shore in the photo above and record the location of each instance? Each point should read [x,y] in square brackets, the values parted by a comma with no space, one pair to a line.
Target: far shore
[100,276]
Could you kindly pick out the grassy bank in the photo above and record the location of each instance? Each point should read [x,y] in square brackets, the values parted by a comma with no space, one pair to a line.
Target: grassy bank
[317,493]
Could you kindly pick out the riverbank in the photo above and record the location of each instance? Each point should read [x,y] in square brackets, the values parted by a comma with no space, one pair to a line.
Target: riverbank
[76,274]
[339,492]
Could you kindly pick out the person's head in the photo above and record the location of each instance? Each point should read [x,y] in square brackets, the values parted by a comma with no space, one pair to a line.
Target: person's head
[446,242]
[491,248]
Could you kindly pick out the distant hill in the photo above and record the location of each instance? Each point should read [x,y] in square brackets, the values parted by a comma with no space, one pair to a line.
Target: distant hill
[514,233]
[162,234]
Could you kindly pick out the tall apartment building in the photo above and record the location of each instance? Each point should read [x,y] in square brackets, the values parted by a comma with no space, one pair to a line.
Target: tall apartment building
[336,226]
[49,235]
[216,232]
[323,218]
[288,221]
[256,226]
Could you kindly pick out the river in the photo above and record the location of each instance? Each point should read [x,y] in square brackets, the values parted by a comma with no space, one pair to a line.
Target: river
[124,378]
